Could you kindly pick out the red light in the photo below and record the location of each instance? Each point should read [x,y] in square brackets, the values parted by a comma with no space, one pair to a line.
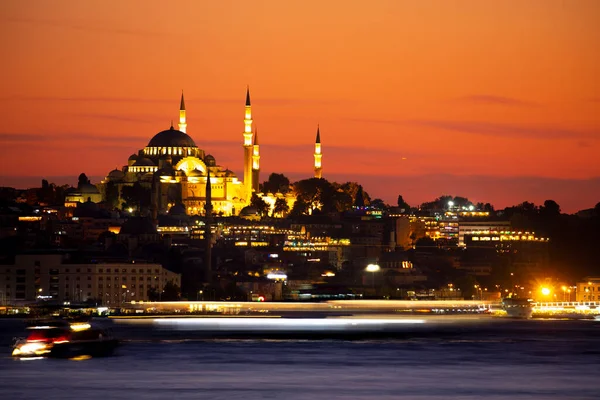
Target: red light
[261,298]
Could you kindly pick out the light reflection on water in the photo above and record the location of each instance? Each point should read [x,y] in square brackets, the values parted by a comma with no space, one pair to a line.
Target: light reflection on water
[539,361]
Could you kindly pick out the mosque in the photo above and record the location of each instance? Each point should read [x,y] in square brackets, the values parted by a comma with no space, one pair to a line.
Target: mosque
[176,171]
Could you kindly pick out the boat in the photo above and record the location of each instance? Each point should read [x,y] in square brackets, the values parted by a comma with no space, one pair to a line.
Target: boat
[518,307]
[64,339]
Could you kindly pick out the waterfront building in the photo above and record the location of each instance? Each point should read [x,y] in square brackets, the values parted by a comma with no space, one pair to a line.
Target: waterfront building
[588,289]
[58,277]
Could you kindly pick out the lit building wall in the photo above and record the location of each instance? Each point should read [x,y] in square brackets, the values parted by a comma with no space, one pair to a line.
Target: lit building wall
[50,277]
[589,289]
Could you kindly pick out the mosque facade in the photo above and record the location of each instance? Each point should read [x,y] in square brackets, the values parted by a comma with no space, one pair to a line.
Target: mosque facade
[176,171]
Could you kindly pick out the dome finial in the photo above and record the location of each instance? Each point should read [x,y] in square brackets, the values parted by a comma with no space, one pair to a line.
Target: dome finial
[171,124]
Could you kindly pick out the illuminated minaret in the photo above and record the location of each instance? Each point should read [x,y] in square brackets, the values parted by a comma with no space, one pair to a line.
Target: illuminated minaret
[318,155]
[182,123]
[208,208]
[255,163]
[248,147]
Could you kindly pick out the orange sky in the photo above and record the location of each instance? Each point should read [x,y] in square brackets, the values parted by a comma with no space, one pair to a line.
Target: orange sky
[496,101]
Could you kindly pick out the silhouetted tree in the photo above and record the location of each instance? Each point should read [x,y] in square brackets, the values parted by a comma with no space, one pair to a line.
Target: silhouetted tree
[280,208]
[550,209]
[277,183]
[402,204]
[136,196]
[171,292]
[261,206]
[83,179]
[378,204]
[112,195]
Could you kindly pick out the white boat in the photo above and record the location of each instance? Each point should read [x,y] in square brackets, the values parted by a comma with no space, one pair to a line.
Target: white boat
[517,307]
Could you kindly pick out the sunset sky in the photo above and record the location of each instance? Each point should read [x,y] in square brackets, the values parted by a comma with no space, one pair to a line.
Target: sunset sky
[498,101]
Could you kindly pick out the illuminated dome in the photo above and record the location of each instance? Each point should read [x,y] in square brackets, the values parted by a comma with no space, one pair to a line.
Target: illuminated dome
[210,160]
[171,138]
[195,173]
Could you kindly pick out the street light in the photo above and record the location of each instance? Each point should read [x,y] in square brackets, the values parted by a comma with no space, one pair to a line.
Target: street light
[200,292]
[373,268]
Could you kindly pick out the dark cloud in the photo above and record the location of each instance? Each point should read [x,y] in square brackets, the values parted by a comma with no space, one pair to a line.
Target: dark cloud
[149,119]
[92,99]
[486,99]
[492,128]
[508,130]
[64,138]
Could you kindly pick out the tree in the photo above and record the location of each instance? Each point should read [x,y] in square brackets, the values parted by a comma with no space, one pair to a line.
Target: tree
[261,206]
[378,204]
[82,180]
[112,195]
[359,200]
[171,292]
[315,193]
[352,189]
[550,209]
[136,196]
[402,204]
[280,208]
[300,208]
[277,183]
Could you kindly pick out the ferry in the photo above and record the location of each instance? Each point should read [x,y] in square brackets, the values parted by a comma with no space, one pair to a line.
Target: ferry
[63,339]
[518,307]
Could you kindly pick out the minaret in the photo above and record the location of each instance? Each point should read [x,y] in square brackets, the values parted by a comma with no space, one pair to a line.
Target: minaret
[318,155]
[182,123]
[207,230]
[248,147]
[255,163]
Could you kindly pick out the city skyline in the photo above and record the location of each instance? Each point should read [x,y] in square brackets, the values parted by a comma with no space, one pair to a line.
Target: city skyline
[499,104]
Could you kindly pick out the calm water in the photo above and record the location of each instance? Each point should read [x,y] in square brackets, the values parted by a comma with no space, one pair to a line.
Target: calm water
[516,360]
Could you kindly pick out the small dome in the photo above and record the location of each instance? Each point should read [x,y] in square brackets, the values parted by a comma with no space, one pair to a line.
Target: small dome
[177,209]
[116,175]
[249,211]
[229,172]
[143,162]
[171,138]
[132,157]
[88,188]
[210,160]
[194,173]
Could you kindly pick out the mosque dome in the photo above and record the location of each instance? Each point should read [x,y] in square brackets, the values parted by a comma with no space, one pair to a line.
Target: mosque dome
[194,173]
[116,175]
[177,209]
[88,188]
[210,160]
[143,162]
[229,173]
[132,157]
[171,138]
